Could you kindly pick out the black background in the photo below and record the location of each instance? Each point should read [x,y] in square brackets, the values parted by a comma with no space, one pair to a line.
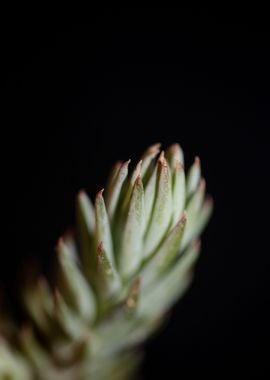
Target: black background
[78,96]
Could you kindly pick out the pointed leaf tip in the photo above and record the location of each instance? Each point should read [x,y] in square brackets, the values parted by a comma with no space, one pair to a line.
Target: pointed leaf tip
[112,197]
[178,166]
[85,229]
[138,181]
[132,298]
[60,246]
[100,248]
[153,149]
[108,281]
[202,185]
[160,216]
[162,160]
[197,244]
[82,193]
[99,194]
[194,176]
[103,228]
[184,218]
[130,252]
[102,260]
[174,154]
[136,172]
[148,158]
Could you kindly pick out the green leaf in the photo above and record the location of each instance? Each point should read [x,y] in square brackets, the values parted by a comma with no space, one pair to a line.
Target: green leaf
[147,159]
[193,212]
[149,197]
[174,155]
[193,177]
[165,255]
[103,229]
[78,289]
[33,350]
[129,187]
[112,176]
[85,228]
[12,365]
[133,295]
[166,290]
[86,213]
[38,301]
[108,280]
[69,321]
[113,195]
[162,208]
[179,192]
[131,251]
[204,216]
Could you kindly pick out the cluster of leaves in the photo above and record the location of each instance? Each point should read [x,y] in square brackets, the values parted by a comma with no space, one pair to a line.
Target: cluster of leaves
[129,259]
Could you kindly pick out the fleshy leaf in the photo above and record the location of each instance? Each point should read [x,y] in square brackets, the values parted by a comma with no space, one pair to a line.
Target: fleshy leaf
[164,292]
[69,321]
[113,173]
[79,290]
[33,350]
[193,212]
[179,192]
[147,158]
[113,196]
[161,213]
[85,228]
[39,302]
[12,365]
[133,296]
[165,254]
[131,252]
[149,196]
[130,184]
[108,279]
[193,177]
[174,155]
[103,229]
[204,216]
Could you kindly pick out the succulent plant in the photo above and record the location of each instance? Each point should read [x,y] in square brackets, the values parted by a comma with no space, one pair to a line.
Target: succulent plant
[126,263]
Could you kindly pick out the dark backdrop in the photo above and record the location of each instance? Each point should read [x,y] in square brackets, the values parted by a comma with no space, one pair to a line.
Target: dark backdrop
[77,97]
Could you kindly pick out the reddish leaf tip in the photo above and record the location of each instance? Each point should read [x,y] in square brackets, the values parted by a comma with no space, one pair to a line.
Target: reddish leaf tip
[126,163]
[139,166]
[184,217]
[197,161]
[100,248]
[137,283]
[138,181]
[209,201]
[202,185]
[99,194]
[178,166]
[82,193]
[162,160]
[154,148]
[196,244]
[60,244]
[174,147]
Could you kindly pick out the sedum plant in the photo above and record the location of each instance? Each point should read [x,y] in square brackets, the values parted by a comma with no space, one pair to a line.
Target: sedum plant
[126,263]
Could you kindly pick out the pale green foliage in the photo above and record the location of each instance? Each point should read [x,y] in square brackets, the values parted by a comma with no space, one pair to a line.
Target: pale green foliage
[129,260]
